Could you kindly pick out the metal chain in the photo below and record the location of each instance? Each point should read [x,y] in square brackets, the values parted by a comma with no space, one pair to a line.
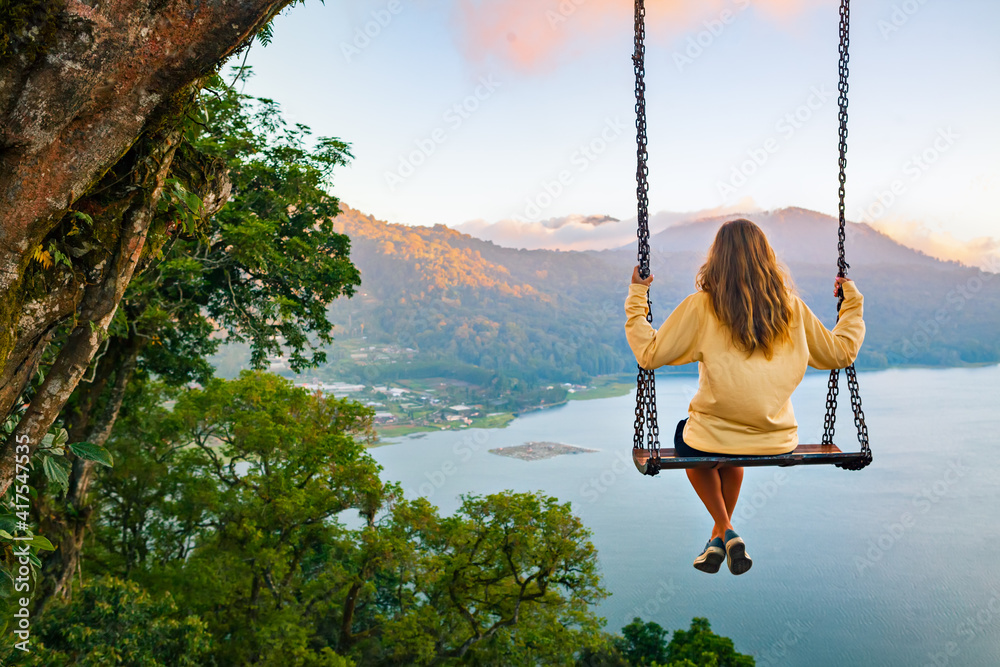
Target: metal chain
[647,430]
[859,422]
[829,422]
[641,170]
[845,42]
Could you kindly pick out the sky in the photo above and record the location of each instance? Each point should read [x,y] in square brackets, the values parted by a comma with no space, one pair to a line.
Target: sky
[472,112]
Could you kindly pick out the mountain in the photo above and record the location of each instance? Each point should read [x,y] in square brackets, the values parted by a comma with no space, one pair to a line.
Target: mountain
[578,232]
[573,232]
[798,236]
[463,302]
[465,305]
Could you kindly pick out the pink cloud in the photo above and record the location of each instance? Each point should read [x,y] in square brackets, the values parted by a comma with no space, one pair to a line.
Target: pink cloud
[982,252]
[536,34]
[578,232]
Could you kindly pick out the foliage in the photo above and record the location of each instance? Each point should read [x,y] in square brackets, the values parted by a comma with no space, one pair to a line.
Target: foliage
[202,278]
[605,654]
[509,574]
[115,622]
[643,643]
[16,530]
[239,499]
[224,497]
[700,647]
[263,268]
[459,301]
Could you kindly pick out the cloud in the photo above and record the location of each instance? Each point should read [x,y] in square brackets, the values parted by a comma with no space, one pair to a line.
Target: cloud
[578,232]
[982,252]
[536,34]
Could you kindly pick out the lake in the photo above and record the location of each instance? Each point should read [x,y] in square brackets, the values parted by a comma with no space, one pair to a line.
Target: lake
[893,565]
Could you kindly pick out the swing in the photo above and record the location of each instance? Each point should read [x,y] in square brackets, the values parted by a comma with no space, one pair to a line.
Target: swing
[647,455]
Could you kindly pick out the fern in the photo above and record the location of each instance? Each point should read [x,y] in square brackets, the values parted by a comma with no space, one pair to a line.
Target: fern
[42,257]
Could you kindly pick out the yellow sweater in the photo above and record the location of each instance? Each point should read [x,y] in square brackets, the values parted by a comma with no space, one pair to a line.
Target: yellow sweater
[743,404]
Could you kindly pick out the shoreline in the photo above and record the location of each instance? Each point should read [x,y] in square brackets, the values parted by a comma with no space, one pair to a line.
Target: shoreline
[612,387]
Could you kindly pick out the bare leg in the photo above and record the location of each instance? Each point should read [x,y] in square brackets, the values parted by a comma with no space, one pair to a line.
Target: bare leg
[708,485]
[732,480]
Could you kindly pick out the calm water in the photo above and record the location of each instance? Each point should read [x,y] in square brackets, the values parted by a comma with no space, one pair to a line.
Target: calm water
[894,565]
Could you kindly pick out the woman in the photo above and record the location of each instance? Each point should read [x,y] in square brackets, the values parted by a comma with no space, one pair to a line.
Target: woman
[752,337]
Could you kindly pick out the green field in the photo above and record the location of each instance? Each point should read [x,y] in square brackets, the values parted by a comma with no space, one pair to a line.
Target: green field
[606,386]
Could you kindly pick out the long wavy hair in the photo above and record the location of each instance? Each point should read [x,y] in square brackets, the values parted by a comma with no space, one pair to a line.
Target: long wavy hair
[749,291]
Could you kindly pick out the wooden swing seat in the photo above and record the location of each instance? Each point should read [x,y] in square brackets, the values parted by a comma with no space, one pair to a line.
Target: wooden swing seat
[801,455]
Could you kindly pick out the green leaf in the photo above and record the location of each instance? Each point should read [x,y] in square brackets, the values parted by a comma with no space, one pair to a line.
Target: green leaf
[61,437]
[8,522]
[4,534]
[80,215]
[92,452]
[57,470]
[266,34]
[42,543]
[6,584]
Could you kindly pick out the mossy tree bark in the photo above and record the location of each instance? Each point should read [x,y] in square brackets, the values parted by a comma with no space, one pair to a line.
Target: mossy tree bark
[99,400]
[90,113]
[67,522]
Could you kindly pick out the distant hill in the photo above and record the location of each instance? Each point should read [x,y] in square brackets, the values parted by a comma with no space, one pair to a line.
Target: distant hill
[546,315]
[799,236]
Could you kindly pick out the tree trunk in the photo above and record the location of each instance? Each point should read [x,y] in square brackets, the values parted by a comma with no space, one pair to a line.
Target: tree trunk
[71,111]
[67,521]
[103,95]
[98,306]
[67,527]
[36,328]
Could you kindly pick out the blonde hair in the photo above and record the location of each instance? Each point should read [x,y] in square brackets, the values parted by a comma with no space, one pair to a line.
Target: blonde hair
[749,291]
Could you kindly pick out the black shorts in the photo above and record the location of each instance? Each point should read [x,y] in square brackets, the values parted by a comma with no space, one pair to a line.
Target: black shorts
[684,450]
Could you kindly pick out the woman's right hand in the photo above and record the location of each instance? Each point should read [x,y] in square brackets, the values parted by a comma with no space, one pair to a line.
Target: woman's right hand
[837,282]
[638,280]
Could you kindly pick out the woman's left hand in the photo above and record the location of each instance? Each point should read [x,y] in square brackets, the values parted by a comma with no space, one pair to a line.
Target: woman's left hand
[636,280]
[838,282]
